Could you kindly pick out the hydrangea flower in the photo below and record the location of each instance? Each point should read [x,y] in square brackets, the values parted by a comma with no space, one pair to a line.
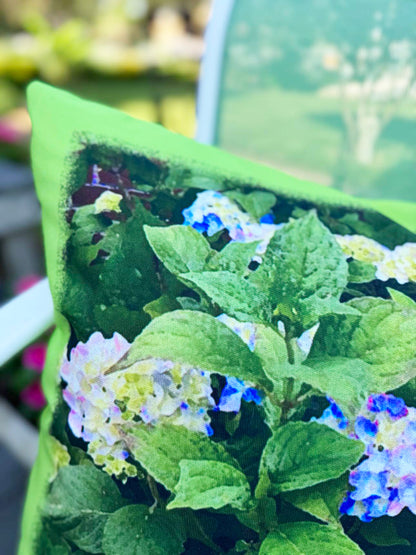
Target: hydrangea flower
[232,394]
[108,202]
[385,481]
[94,415]
[398,264]
[235,390]
[104,405]
[361,248]
[245,330]
[212,212]
[305,340]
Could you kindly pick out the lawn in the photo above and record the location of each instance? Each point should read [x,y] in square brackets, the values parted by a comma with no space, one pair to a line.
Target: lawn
[303,134]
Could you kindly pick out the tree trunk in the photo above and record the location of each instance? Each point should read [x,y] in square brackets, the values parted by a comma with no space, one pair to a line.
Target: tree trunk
[367,130]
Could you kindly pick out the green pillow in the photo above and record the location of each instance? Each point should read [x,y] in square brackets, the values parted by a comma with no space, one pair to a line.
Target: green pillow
[205,307]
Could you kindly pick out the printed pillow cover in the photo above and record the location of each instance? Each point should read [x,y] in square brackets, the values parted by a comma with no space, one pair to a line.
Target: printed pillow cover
[233,368]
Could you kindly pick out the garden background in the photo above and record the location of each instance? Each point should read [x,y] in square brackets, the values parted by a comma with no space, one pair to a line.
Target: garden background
[140,56]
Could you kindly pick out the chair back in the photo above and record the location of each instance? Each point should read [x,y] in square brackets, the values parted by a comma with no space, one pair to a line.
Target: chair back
[325,89]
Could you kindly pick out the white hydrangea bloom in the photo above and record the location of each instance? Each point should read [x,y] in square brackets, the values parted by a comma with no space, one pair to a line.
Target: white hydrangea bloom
[104,405]
[212,212]
[398,264]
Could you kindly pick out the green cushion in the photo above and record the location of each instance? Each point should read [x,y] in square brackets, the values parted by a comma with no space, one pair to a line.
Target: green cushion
[69,134]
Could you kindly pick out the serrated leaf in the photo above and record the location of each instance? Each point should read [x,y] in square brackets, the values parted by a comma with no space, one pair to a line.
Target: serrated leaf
[401,298]
[257,203]
[159,450]
[347,380]
[234,257]
[308,538]
[133,530]
[233,294]
[196,339]
[304,272]
[180,248]
[382,532]
[79,503]
[210,485]
[360,272]
[302,454]
[383,337]
[322,500]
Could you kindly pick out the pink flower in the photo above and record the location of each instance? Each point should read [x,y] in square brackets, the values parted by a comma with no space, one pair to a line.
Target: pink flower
[25,283]
[34,357]
[33,396]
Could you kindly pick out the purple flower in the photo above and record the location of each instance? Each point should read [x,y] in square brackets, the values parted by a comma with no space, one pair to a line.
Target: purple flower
[385,481]
[383,402]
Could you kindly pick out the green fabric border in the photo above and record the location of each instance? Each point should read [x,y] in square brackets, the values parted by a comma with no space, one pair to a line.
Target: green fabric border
[61,121]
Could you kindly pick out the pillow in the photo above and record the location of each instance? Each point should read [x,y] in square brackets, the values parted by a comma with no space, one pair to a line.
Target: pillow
[227,340]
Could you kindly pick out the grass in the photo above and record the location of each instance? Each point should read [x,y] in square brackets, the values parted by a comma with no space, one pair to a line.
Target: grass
[303,133]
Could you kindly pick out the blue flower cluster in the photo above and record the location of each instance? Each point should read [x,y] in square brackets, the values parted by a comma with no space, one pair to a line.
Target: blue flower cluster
[233,392]
[385,481]
[212,212]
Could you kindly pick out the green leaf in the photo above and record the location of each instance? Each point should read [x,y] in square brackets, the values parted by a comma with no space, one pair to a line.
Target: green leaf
[271,349]
[188,303]
[160,450]
[308,538]
[383,338]
[360,272]
[322,500]
[304,272]
[109,318]
[347,380]
[196,339]
[86,224]
[115,275]
[160,306]
[382,532]
[234,257]
[257,203]
[134,530]
[262,516]
[180,248]
[210,485]
[401,298]
[233,294]
[248,441]
[51,542]
[302,454]
[79,503]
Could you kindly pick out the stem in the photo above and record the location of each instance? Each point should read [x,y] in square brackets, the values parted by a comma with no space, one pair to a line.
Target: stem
[290,382]
[155,494]
[203,536]
[289,348]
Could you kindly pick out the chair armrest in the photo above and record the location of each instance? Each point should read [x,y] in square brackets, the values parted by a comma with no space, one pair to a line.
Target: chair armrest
[24,318]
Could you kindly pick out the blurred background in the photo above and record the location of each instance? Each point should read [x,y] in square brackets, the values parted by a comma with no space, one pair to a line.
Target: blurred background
[322,89]
[140,56]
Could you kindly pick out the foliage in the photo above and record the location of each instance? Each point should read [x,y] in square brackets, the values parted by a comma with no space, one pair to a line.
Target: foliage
[205,413]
